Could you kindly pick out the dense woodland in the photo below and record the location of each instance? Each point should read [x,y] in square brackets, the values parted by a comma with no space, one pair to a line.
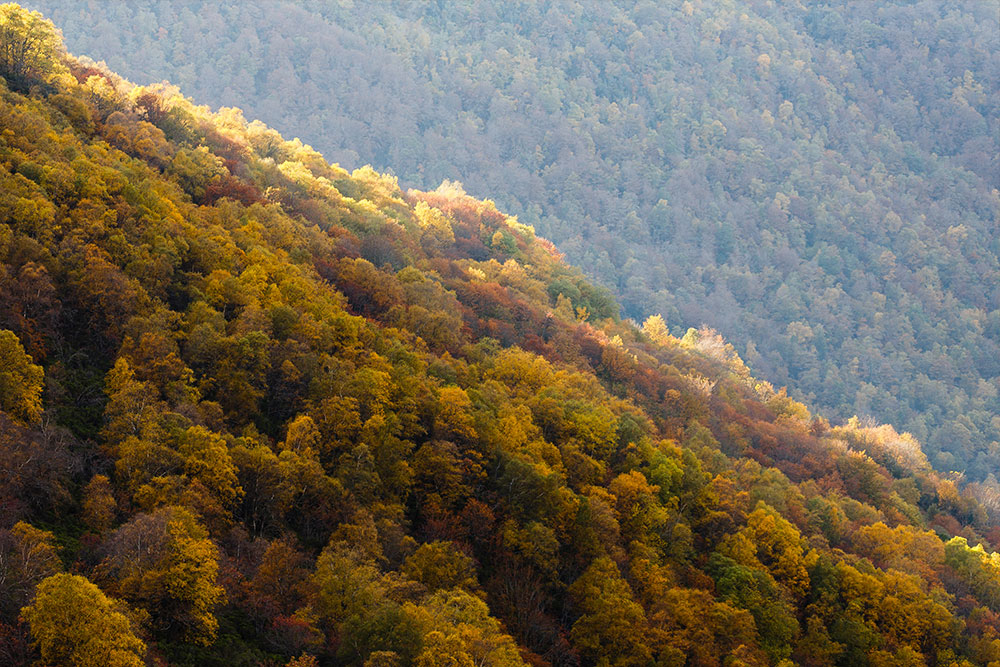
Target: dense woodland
[816,180]
[257,410]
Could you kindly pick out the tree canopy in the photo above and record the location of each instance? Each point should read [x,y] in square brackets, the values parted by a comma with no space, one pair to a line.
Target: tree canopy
[31,48]
[74,623]
[817,181]
[283,413]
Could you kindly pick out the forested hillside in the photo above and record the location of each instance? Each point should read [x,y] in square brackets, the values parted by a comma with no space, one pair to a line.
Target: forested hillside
[816,180]
[258,410]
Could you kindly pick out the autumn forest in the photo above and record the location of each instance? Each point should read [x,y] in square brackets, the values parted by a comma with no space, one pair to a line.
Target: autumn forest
[815,180]
[257,409]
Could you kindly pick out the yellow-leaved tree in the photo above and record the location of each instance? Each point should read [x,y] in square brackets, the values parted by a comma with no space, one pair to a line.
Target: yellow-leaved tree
[20,380]
[612,628]
[459,632]
[165,563]
[73,623]
[31,48]
[656,328]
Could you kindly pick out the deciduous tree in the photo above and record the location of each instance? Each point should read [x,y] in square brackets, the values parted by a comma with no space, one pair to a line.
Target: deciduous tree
[31,48]
[74,623]
[20,380]
[165,563]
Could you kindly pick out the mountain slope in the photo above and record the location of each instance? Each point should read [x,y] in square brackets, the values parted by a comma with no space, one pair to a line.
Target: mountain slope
[818,181]
[256,409]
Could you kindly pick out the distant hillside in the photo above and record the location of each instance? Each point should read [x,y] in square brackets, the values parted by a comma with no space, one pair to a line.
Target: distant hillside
[818,181]
[258,410]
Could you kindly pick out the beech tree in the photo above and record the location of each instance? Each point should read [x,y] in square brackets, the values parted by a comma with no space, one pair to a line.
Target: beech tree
[460,631]
[27,556]
[165,563]
[99,504]
[440,565]
[74,623]
[30,46]
[207,459]
[613,626]
[20,380]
